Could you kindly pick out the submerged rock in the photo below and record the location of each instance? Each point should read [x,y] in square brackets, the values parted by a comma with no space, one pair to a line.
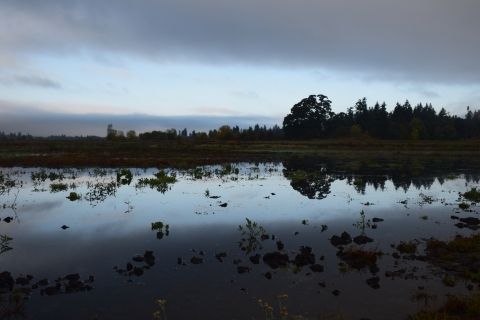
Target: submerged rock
[304,257]
[6,282]
[275,259]
[267,275]
[255,259]
[344,239]
[196,260]
[220,255]
[374,282]
[243,269]
[362,239]
[280,245]
[470,221]
[377,220]
[316,268]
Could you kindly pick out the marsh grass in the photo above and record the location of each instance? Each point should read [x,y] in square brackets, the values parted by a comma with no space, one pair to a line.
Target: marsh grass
[456,306]
[407,247]
[57,187]
[472,195]
[462,244]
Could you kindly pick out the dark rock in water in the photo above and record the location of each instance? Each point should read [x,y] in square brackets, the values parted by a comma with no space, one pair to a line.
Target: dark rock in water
[65,227]
[6,282]
[264,237]
[273,237]
[224,205]
[470,221]
[322,284]
[275,259]
[470,287]
[304,257]
[23,281]
[35,286]
[214,197]
[138,271]
[316,268]
[396,255]
[362,239]
[43,282]
[129,266]
[280,245]
[296,232]
[374,282]
[238,261]
[344,239]
[243,269]
[374,269]
[149,258]
[8,219]
[50,291]
[179,261]
[273,194]
[459,225]
[473,227]
[201,253]
[374,226]
[324,227]
[255,259]
[121,271]
[377,220]
[322,258]
[74,286]
[336,293]
[268,275]
[220,255]
[73,276]
[196,260]
[90,279]
[138,257]
[454,217]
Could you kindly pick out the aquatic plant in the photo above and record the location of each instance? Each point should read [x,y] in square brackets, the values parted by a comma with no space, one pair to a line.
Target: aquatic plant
[160,183]
[4,243]
[74,196]
[407,247]
[157,314]
[424,217]
[253,231]
[456,306]
[7,183]
[461,244]
[57,187]
[100,191]
[158,226]
[472,195]
[207,193]
[362,224]
[124,177]
[13,306]
[464,206]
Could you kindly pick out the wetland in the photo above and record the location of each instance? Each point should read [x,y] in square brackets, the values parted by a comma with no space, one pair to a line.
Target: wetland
[336,235]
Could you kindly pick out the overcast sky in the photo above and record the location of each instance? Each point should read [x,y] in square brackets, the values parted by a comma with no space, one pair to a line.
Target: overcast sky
[73,67]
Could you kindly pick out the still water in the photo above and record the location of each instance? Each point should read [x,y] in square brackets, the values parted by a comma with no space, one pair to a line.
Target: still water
[190,220]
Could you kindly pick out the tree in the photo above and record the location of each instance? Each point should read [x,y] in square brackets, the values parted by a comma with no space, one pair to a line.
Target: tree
[309,118]
[132,135]
[111,133]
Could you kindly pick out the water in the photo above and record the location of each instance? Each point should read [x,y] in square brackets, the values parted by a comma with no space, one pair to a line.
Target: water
[291,200]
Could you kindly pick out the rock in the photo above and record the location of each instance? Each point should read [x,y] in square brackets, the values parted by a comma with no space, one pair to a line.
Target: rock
[374,282]
[6,282]
[179,260]
[138,271]
[149,258]
[65,227]
[280,245]
[275,259]
[473,227]
[454,217]
[138,257]
[344,239]
[304,257]
[377,220]
[267,275]
[255,259]
[362,239]
[237,261]
[8,219]
[459,225]
[43,282]
[214,197]
[22,281]
[220,255]
[196,260]
[316,268]
[265,237]
[396,255]
[201,253]
[336,293]
[224,205]
[470,221]
[243,269]
[296,232]
[129,266]
[73,276]
[324,227]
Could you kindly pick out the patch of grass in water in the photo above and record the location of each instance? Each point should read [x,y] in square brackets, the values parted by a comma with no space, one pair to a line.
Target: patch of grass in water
[463,244]
[472,195]
[407,247]
[449,282]
[57,187]
[464,206]
[456,306]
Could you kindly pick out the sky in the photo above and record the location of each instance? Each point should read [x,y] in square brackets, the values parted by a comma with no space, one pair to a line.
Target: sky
[73,67]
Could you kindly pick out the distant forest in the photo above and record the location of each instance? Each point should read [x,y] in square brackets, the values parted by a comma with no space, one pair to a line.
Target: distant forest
[313,118]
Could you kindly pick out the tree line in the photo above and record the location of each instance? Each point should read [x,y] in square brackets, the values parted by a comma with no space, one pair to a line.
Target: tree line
[313,118]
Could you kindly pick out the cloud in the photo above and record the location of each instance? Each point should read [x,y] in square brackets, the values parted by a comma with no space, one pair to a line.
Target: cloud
[213,110]
[25,118]
[410,40]
[246,94]
[34,81]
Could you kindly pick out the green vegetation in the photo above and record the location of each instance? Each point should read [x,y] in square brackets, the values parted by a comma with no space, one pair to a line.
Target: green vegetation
[5,244]
[472,195]
[362,224]
[464,206]
[461,244]
[456,306]
[157,314]
[449,282]
[158,226]
[407,247]
[252,231]
[57,187]
[124,177]
[161,182]
[74,196]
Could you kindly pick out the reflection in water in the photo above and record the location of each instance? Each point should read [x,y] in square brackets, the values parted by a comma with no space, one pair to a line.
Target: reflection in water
[301,255]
